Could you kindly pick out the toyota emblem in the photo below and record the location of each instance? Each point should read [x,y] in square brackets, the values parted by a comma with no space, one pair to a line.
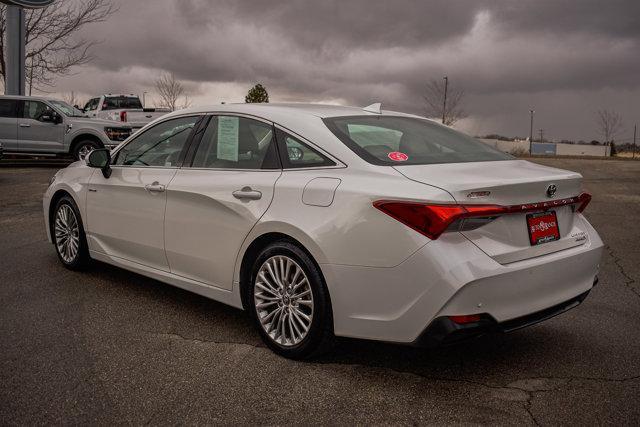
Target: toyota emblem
[551,190]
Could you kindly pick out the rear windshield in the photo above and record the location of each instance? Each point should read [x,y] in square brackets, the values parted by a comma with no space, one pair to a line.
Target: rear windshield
[393,140]
[120,102]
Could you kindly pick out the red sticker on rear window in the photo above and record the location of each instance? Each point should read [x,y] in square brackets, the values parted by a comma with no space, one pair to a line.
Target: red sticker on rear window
[397,156]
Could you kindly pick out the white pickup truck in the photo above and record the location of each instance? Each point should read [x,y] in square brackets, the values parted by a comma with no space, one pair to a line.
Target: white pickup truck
[123,108]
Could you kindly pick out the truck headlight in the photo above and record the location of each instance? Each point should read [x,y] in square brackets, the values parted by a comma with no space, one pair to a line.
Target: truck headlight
[117,134]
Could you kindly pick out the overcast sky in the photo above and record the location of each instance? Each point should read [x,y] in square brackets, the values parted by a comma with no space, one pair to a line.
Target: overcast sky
[565,59]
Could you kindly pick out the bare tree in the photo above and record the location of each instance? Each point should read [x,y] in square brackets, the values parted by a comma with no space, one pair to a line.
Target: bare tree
[170,91]
[609,124]
[52,48]
[71,98]
[434,102]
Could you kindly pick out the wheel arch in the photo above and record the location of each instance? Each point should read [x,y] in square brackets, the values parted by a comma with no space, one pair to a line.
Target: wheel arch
[59,194]
[85,136]
[256,246]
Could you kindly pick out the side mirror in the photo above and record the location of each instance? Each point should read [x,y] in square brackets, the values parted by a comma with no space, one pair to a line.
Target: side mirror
[100,159]
[51,117]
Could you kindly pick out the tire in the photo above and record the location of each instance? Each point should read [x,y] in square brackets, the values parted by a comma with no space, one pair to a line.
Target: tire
[83,148]
[284,332]
[67,233]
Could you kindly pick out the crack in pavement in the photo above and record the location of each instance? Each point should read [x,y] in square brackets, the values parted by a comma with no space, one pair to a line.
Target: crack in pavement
[527,385]
[628,280]
[527,407]
[525,389]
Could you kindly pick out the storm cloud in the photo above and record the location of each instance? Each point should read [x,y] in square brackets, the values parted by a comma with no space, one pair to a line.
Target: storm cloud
[566,59]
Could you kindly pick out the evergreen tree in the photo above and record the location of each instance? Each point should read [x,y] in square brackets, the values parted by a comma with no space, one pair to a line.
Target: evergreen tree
[257,94]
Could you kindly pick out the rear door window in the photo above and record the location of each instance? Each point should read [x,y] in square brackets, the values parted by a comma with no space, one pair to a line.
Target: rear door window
[297,154]
[232,142]
[8,108]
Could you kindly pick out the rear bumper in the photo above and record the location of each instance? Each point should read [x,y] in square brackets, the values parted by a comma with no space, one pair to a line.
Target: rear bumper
[443,331]
[451,276]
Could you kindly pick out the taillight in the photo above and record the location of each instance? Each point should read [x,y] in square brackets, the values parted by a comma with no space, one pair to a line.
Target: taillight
[583,200]
[434,219]
[123,116]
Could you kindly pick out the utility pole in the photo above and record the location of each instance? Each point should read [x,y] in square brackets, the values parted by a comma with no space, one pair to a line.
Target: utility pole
[444,104]
[15,50]
[144,99]
[541,135]
[531,132]
[635,129]
[16,44]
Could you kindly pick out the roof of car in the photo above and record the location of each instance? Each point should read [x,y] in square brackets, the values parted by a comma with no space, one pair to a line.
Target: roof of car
[27,97]
[267,109]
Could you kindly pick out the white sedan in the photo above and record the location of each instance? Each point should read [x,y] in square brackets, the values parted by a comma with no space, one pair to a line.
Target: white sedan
[326,221]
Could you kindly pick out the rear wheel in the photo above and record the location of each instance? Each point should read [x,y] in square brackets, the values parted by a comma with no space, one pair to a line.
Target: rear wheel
[83,148]
[68,235]
[289,302]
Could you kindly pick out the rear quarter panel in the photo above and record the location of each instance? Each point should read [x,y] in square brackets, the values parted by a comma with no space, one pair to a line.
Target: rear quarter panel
[349,231]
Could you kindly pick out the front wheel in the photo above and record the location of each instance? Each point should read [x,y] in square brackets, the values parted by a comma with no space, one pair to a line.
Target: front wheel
[83,148]
[68,235]
[289,302]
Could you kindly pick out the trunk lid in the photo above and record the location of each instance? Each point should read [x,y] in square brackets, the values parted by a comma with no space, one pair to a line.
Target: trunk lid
[510,182]
[507,183]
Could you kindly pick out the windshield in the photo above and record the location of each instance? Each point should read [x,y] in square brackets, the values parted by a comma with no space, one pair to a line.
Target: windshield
[67,109]
[395,140]
[121,102]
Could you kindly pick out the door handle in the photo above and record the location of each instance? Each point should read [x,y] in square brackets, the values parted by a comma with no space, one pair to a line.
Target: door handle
[156,187]
[247,193]
[25,125]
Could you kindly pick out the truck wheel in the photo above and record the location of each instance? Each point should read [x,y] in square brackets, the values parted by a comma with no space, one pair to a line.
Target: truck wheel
[83,148]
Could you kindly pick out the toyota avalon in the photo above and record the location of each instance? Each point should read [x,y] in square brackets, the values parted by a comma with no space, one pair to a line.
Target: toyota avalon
[326,221]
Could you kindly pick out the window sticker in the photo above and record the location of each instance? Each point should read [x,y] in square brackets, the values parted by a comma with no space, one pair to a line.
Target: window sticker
[228,138]
[397,156]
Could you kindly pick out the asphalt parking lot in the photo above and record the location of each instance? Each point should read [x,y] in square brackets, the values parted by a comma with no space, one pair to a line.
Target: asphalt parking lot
[107,346]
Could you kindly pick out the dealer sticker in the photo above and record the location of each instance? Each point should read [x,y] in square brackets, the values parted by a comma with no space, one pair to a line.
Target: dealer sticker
[397,156]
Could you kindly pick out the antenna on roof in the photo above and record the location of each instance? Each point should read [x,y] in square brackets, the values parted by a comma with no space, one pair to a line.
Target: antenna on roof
[374,108]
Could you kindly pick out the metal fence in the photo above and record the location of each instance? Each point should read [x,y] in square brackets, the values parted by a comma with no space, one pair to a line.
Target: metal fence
[549,148]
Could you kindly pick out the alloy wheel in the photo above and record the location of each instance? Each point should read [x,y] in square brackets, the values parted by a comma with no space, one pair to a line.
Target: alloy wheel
[283,300]
[84,151]
[67,233]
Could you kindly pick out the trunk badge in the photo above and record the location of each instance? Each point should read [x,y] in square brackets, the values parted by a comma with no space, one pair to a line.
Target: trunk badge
[551,190]
[476,194]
